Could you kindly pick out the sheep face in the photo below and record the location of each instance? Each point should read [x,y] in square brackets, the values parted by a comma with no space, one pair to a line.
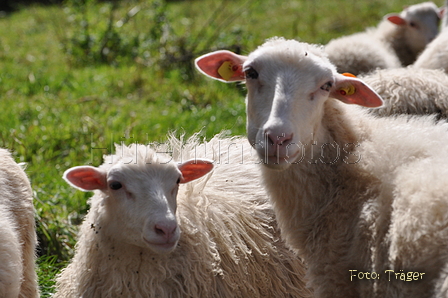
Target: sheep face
[287,85]
[149,199]
[281,99]
[139,199]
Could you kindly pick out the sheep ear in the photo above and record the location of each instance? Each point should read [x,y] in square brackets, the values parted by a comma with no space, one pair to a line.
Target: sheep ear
[395,19]
[441,12]
[351,90]
[223,66]
[194,169]
[86,178]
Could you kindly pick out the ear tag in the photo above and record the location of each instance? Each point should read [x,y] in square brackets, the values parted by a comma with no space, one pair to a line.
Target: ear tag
[226,70]
[347,74]
[350,90]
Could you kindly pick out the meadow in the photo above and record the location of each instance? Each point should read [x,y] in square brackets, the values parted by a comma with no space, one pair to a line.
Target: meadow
[78,77]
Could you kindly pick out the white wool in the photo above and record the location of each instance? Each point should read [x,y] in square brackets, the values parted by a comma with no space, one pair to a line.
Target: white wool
[229,244]
[387,45]
[17,232]
[410,91]
[360,53]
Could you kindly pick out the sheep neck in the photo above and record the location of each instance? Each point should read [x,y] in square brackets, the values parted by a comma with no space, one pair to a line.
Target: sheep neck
[118,267]
[314,201]
[394,36]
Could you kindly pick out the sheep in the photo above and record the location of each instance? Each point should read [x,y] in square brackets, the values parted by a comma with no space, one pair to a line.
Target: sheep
[17,232]
[363,199]
[223,242]
[410,91]
[395,42]
[435,55]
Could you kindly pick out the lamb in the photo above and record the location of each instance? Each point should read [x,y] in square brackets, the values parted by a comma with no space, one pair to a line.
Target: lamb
[363,199]
[410,90]
[223,242]
[435,55]
[17,232]
[395,42]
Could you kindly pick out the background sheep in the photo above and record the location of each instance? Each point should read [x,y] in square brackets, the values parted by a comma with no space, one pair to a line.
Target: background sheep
[17,232]
[410,91]
[228,245]
[395,42]
[435,55]
[362,198]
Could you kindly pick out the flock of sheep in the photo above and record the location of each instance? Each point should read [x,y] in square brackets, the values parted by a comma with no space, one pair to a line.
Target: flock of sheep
[339,189]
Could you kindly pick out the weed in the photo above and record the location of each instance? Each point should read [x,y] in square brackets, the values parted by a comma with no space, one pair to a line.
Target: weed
[108,40]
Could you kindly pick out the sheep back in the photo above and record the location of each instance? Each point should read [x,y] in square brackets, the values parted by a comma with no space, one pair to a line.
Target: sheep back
[410,91]
[17,231]
[360,53]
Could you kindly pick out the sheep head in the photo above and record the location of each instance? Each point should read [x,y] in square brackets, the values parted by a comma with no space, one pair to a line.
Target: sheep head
[139,195]
[288,83]
[419,23]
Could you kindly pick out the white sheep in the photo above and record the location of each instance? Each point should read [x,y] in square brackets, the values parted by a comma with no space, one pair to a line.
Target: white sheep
[395,42]
[17,232]
[363,199]
[435,55]
[410,90]
[218,240]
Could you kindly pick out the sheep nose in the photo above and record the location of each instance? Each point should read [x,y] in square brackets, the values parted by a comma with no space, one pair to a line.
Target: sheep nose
[165,230]
[276,139]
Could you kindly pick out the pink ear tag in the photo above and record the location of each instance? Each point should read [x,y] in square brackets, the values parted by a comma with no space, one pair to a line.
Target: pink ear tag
[226,70]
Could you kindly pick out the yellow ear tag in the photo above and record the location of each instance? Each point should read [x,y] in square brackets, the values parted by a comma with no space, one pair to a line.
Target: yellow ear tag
[226,70]
[350,90]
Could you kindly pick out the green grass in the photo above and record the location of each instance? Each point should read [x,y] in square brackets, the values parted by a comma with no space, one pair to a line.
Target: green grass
[58,108]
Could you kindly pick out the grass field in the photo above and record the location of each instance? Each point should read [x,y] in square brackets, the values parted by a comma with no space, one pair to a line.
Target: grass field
[76,78]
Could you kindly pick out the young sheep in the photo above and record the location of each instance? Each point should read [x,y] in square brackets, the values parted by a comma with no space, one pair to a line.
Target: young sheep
[17,232]
[219,239]
[410,91]
[395,42]
[362,198]
[435,55]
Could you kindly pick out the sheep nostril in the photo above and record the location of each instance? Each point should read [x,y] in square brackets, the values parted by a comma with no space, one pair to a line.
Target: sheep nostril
[159,231]
[282,140]
[278,140]
[270,140]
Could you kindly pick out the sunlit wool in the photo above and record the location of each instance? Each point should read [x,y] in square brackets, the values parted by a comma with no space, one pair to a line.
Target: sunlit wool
[379,204]
[17,232]
[229,244]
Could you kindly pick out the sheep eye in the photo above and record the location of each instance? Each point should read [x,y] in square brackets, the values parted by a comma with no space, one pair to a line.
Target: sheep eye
[413,25]
[251,73]
[115,185]
[327,86]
